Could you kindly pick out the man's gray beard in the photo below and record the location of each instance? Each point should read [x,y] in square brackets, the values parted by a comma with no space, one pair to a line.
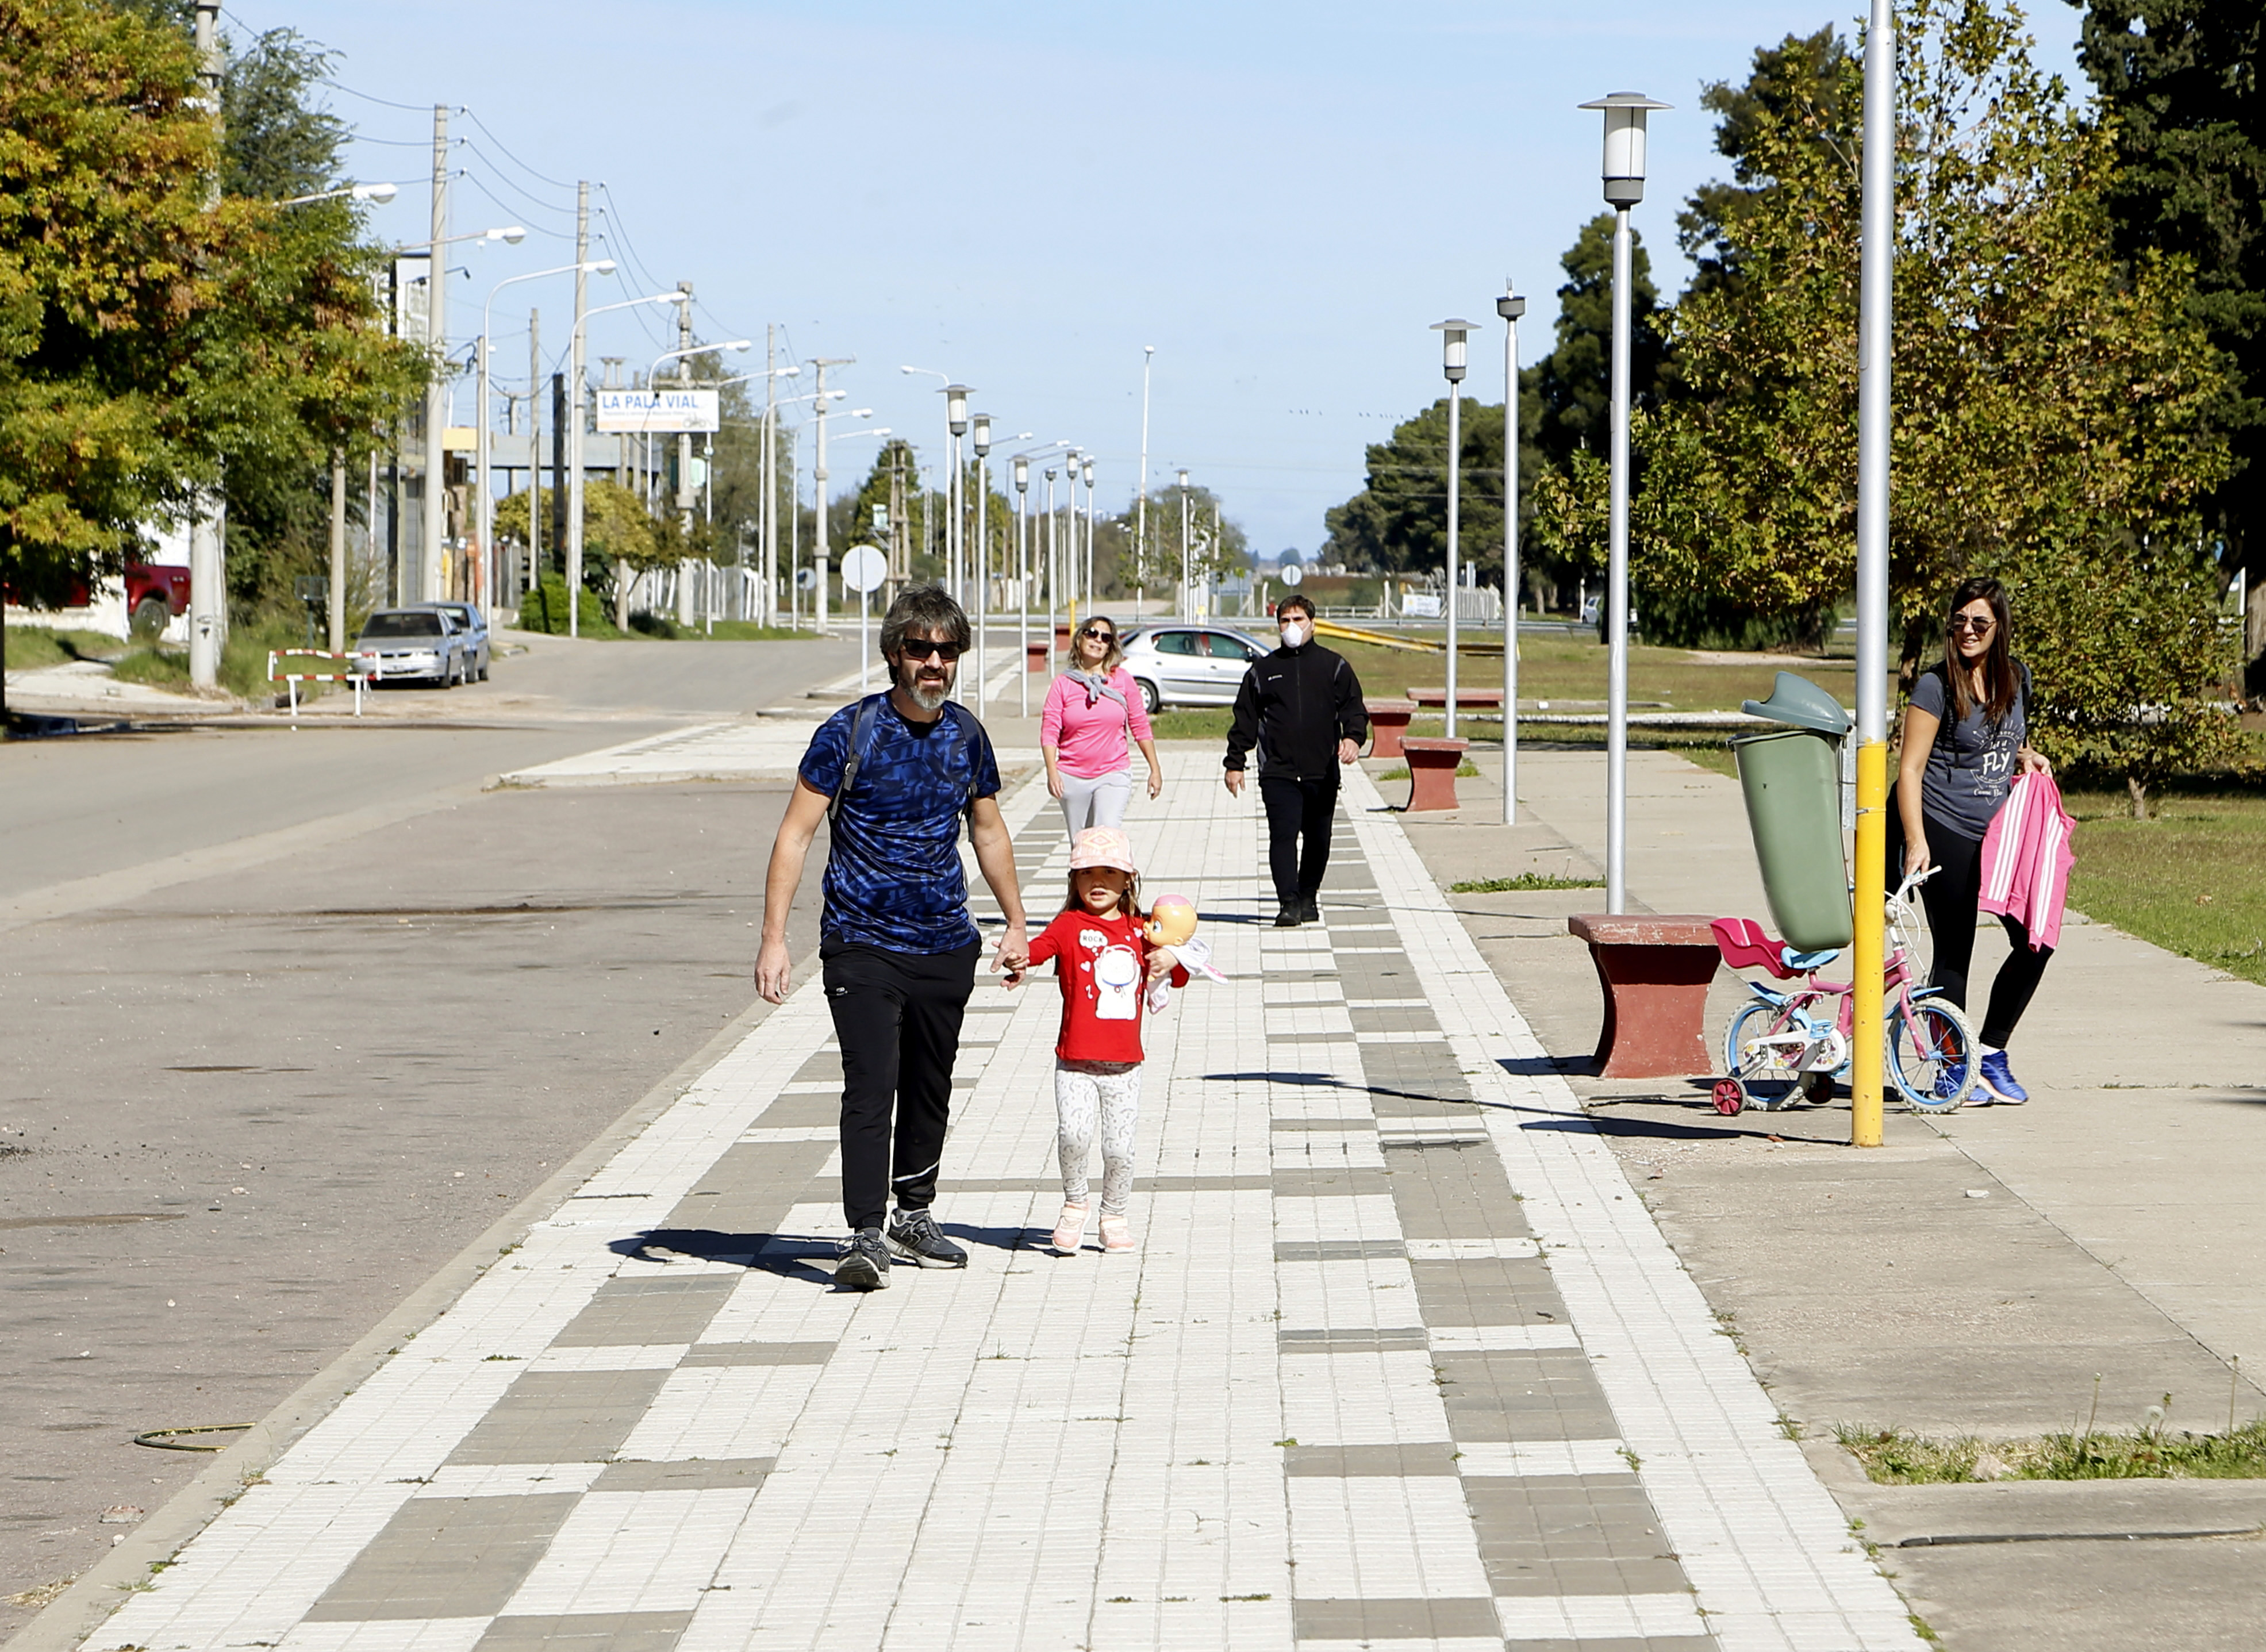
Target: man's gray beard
[927,699]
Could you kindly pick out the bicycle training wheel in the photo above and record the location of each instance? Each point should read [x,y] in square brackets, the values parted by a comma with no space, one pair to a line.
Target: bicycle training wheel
[1932,1055]
[1765,1071]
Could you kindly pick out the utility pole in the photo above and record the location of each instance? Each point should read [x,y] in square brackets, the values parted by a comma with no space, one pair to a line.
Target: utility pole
[685,457]
[574,375]
[335,604]
[818,476]
[208,553]
[1510,307]
[1053,570]
[434,518]
[767,517]
[1141,532]
[534,451]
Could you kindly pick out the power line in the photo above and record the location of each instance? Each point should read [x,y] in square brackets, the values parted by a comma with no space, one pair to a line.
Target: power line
[517,188]
[539,228]
[555,183]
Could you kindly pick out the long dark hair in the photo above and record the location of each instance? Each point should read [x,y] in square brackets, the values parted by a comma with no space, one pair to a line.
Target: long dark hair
[1128,902]
[1999,685]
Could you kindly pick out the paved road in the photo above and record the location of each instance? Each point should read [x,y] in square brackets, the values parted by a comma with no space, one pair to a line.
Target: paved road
[312,1011]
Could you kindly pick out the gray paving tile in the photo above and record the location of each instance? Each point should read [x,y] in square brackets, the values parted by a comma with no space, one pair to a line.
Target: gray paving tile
[1392,1462]
[1043,1184]
[628,1313]
[1334,1126]
[1570,1535]
[1391,1338]
[1412,1619]
[1337,1250]
[1535,1394]
[698,1475]
[447,1557]
[1488,1291]
[752,1185]
[1455,1193]
[561,1416]
[803,1111]
[587,1632]
[759,1354]
[1327,1183]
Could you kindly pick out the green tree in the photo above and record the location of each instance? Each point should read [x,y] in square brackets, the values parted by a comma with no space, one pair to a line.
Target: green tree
[1398,523]
[2052,404]
[2179,81]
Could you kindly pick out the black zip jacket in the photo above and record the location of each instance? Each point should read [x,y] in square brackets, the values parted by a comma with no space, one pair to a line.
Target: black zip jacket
[1294,705]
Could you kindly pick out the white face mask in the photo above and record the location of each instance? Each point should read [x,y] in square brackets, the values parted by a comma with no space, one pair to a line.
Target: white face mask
[1294,634]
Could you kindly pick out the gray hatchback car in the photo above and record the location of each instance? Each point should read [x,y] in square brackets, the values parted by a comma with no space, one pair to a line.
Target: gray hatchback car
[413,642]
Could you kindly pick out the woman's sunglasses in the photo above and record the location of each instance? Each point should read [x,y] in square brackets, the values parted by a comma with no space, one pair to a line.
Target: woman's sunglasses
[1098,636]
[1981,625]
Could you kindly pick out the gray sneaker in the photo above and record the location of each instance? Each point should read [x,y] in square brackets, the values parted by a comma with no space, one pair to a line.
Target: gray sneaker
[915,1236]
[864,1264]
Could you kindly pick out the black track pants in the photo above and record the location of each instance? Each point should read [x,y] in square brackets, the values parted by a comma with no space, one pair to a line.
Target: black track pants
[1296,808]
[896,1016]
[1952,899]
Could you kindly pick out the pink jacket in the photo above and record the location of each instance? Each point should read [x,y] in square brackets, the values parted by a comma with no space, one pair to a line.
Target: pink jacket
[2026,857]
[1093,739]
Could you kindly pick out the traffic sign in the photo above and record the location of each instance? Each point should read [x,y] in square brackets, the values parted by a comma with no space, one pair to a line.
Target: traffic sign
[864,568]
[659,412]
[1292,574]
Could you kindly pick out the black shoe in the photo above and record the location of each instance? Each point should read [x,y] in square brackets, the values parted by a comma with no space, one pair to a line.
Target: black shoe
[915,1236]
[1292,914]
[864,1264]
[1310,908]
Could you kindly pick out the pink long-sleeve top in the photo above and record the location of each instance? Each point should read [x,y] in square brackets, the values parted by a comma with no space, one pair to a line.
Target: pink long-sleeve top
[1093,740]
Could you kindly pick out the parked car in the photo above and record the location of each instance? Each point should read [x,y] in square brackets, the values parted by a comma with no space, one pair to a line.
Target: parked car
[472,626]
[413,642]
[1188,665]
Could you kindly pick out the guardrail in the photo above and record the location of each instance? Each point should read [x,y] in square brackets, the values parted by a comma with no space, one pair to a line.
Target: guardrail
[356,669]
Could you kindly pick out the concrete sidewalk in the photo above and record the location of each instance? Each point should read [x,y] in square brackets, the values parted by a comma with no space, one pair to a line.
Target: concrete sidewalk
[1980,1273]
[1401,1362]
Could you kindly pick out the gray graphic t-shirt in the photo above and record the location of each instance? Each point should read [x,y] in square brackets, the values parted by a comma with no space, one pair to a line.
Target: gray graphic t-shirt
[1972,763]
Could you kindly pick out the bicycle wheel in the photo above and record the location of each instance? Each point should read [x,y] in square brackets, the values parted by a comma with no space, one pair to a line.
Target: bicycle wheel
[1931,1056]
[1763,1069]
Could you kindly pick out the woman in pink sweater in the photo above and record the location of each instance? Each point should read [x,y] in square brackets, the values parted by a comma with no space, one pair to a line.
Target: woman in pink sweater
[1092,719]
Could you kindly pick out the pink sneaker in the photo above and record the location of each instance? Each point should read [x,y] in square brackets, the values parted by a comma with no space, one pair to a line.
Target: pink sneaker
[1116,1234]
[1070,1229]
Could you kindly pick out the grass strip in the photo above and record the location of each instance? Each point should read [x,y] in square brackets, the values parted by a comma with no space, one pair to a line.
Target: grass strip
[1523,883]
[1895,1456]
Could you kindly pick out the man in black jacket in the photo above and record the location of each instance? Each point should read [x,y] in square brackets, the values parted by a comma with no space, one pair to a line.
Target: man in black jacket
[1301,706]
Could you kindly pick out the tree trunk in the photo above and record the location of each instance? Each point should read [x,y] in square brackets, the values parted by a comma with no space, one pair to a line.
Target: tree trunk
[2139,789]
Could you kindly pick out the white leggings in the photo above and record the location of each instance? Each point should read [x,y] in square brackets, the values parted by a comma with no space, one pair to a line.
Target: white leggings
[1099,801]
[1082,1089]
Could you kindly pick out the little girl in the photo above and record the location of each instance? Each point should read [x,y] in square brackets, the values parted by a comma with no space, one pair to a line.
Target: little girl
[1105,964]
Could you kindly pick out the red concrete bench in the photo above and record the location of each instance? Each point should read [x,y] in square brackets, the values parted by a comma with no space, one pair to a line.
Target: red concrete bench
[1034,656]
[1655,969]
[1388,722]
[1473,699]
[1432,766]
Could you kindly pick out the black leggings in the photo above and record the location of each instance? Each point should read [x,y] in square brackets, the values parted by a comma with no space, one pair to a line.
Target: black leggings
[896,1016]
[1296,809]
[1952,899]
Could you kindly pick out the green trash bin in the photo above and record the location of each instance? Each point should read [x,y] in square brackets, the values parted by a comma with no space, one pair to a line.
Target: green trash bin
[1792,780]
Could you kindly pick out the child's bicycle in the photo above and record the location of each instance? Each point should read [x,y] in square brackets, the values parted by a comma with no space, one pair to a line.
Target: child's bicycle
[1789,1045]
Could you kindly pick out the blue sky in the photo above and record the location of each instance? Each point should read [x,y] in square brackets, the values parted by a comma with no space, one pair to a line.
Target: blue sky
[1280,199]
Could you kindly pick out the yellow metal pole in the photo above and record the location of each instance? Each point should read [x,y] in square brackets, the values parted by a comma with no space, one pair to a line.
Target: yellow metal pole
[1868,1050]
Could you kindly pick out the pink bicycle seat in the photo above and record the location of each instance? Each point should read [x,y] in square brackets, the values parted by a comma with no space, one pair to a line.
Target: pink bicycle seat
[1746,945]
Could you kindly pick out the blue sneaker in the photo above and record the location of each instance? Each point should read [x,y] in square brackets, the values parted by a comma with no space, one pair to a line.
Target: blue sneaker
[1996,1077]
[1949,1079]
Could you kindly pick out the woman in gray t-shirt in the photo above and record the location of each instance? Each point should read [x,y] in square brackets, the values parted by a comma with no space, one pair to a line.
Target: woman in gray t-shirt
[1965,739]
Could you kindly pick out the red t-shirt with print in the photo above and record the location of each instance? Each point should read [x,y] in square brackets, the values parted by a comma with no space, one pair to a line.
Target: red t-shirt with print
[1103,966]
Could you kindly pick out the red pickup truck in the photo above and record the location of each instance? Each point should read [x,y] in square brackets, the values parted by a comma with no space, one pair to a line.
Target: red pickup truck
[154,592]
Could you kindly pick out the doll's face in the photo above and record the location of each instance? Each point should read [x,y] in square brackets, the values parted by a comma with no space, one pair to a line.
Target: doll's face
[1099,888]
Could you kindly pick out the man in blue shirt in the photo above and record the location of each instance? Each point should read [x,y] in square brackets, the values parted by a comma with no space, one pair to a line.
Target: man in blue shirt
[894,773]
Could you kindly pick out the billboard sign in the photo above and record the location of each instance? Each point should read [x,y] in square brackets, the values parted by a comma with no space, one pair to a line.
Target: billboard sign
[658,412]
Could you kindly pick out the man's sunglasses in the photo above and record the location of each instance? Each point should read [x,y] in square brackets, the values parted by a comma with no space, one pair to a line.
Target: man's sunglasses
[916,652]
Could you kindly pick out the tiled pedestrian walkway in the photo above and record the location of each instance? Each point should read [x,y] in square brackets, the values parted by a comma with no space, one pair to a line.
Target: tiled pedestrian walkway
[1401,1361]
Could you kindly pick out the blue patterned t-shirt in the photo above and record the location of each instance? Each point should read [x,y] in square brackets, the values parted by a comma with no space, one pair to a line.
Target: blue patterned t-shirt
[893,872]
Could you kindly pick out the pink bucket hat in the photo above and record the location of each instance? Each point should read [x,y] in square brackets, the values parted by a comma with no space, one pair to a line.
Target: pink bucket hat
[1102,846]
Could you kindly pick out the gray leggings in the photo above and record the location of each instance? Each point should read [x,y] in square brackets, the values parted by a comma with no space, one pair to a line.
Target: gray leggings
[1099,801]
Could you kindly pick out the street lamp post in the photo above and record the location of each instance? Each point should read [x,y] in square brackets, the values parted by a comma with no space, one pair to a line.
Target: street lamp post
[1188,601]
[1092,600]
[1510,307]
[766,528]
[484,442]
[1141,532]
[1054,569]
[955,427]
[1625,113]
[379,193]
[1455,337]
[981,432]
[1072,596]
[1023,581]
[572,433]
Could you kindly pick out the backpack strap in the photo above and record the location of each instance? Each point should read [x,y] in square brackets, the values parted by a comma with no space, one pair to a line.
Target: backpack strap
[861,736]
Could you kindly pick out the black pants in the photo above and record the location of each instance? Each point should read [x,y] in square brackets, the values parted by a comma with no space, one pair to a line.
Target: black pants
[896,1016]
[1951,899]
[1296,808]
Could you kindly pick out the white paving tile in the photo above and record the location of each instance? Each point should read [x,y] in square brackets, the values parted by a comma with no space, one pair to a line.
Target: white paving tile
[1598,1616]
[1377,1538]
[1490,1459]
